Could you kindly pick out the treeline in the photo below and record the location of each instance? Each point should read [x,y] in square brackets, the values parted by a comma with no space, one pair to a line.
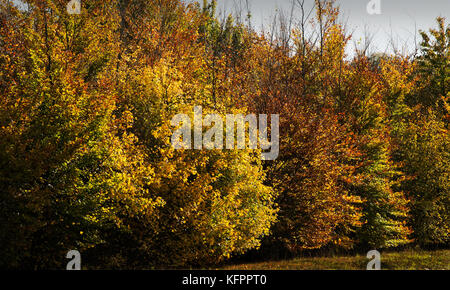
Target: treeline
[86,161]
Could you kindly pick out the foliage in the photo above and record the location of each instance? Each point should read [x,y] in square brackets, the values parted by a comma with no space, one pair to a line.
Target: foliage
[86,162]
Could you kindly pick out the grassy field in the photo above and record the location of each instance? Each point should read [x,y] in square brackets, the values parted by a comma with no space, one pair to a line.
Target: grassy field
[404,260]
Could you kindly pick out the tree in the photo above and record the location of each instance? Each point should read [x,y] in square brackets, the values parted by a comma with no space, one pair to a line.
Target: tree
[70,171]
[434,70]
[421,148]
[316,163]
[86,161]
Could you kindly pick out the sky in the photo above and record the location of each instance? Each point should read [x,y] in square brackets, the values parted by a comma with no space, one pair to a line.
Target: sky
[399,18]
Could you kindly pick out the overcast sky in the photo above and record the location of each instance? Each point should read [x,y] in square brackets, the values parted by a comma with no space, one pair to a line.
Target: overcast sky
[399,16]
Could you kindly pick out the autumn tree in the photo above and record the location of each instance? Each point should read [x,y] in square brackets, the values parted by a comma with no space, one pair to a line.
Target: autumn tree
[86,154]
[70,171]
[216,202]
[384,207]
[420,145]
[316,158]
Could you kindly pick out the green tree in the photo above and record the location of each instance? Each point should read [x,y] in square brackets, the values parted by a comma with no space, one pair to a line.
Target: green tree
[434,70]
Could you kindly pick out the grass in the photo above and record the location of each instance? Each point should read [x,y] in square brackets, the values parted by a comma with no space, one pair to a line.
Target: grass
[403,260]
